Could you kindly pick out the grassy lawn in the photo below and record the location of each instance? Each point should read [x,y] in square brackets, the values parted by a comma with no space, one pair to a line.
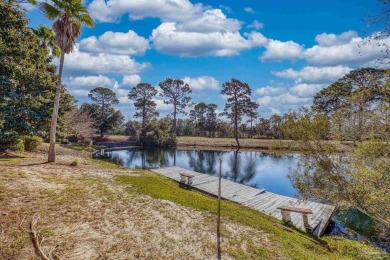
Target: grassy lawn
[96,209]
[290,243]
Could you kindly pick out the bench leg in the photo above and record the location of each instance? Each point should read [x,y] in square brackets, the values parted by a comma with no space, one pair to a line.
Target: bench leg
[305,221]
[183,179]
[286,216]
[189,180]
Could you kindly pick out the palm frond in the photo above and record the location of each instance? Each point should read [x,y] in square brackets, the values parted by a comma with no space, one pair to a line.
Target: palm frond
[85,19]
[50,11]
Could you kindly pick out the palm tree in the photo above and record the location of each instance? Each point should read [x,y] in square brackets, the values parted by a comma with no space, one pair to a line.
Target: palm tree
[69,16]
[46,37]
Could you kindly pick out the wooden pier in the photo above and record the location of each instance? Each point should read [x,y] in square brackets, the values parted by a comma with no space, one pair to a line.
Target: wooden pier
[258,199]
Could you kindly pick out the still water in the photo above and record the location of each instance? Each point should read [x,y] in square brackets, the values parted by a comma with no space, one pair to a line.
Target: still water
[256,169]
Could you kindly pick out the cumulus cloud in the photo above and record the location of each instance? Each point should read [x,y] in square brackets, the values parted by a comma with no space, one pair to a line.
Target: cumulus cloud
[83,63]
[264,101]
[161,106]
[212,20]
[314,74]
[307,90]
[278,51]
[330,39]
[131,80]
[166,10]
[167,38]
[249,10]
[269,90]
[256,25]
[89,81]
[187,29]
[205,82]
[129,43]
[348,51]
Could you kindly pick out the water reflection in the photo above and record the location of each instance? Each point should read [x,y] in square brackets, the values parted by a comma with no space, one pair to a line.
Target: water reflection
[256,169]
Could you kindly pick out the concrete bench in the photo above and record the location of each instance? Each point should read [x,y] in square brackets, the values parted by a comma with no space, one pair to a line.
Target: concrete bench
[287,218]
[186,178]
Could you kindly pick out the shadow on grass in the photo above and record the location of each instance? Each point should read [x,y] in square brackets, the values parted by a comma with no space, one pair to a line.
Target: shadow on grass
[185,186]
[34,164]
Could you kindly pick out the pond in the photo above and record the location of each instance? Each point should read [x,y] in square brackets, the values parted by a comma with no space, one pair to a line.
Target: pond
[253,168]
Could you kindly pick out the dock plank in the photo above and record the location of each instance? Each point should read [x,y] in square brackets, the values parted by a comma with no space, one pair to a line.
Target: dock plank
[258,199]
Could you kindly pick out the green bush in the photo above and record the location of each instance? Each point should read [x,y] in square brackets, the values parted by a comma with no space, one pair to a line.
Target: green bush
[31,143]
[17,146]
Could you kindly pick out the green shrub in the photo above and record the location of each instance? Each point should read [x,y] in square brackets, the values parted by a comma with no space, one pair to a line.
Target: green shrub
[31,143]
[17,146]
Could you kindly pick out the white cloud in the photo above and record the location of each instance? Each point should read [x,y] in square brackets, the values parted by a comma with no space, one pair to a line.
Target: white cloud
[187,29]
[168,39]
[275,111]
[278,51]
[256,25]
[79,92]
[161,106]
[82,63]
[200,83]
[166,10]
[264,101]
[228,9]
[212,20]
[314,74]
[122,95]
[249,10]
[287,99]
[131,80]
[268,90]
[356,51]
[129,43]
[325,39]
[89,81]
[307,90]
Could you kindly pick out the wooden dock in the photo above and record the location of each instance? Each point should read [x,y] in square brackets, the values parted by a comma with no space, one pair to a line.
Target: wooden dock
[258,199]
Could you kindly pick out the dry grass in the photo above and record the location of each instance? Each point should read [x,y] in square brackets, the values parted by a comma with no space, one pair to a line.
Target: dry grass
[85,214]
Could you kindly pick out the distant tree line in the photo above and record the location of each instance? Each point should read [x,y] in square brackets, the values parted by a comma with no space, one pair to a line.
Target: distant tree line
[355,107]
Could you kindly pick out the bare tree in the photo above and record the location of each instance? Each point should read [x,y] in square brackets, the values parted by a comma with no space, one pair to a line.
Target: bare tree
[81,124]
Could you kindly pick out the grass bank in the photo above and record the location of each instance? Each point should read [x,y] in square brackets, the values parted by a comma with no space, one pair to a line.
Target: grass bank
[93,209]
[286,242]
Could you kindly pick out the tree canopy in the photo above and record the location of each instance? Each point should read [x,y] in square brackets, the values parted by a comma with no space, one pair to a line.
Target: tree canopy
[27,79]
[105,115]
[143,95]
[239,97]
[176,91]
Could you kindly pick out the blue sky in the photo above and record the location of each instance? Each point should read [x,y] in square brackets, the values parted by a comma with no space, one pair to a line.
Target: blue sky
[285,50]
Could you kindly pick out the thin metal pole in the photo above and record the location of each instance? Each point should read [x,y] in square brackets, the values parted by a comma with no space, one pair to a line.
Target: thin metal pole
[219,210]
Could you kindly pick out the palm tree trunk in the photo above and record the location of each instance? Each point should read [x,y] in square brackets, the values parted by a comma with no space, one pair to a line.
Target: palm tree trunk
[53,129]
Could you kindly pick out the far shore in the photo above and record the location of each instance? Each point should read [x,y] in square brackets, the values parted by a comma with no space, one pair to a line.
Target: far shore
[248,144]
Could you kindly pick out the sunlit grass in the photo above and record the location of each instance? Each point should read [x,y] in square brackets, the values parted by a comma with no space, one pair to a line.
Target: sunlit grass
[294,245]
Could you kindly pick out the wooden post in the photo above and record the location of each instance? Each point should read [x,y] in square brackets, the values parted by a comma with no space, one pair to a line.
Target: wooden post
[305,221]
[286,217]
[219,210]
